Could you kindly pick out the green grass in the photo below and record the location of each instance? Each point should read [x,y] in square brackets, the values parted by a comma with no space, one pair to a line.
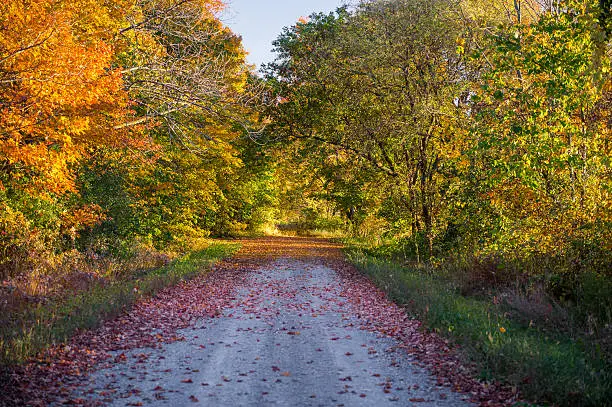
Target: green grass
[46,324]
[547,367]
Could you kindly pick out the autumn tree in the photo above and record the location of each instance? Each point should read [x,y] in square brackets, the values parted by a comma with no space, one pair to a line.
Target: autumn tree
[377,85]
[120,120]
[539,161]
[58,90]
[59,96]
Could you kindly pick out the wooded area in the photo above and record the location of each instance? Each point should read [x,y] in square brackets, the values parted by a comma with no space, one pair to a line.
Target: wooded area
[477,128]
[469,138]
[122,127]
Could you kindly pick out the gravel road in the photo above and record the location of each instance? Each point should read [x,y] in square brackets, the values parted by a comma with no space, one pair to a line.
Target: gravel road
[287,339]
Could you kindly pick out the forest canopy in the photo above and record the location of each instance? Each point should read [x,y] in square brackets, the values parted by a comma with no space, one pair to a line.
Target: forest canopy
[123,124]
[474,128]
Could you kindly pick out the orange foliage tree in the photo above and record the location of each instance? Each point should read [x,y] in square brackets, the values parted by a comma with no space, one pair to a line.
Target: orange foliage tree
[154,89]
[58,91]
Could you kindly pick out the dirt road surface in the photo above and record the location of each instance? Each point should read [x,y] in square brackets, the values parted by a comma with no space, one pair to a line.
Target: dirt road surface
[285,322]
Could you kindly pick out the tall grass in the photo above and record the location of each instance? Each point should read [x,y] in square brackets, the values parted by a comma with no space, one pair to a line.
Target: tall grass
[40,326]
[547,366]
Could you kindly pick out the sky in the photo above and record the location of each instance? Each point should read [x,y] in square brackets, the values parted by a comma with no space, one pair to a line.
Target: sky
[260,22]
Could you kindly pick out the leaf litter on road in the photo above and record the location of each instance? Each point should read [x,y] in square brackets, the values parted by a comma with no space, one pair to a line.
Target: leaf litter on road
[56,374]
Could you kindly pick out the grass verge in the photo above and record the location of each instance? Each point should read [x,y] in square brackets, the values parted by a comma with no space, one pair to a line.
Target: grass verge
[547,367]
[39,327]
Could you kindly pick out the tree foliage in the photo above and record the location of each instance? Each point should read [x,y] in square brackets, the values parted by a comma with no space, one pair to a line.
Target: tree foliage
[466,128]
[122,122]
[540,139]
[482,126]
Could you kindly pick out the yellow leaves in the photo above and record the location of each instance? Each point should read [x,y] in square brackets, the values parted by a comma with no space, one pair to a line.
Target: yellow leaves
[145,45]
[464,163]
[460,45]
[64,97]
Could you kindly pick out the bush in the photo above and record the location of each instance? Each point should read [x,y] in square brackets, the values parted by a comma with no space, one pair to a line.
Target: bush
[23,247]
[594,300]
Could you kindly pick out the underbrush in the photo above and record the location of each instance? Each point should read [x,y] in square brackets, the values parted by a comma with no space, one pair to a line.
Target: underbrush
[319,233]
[30,323]
[525,339]
[310,223]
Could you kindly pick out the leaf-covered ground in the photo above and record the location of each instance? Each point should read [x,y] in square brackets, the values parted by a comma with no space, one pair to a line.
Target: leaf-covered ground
[285,319]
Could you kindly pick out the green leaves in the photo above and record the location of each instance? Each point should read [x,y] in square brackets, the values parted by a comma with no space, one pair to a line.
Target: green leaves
[375,87]
[439,118]
[535,127]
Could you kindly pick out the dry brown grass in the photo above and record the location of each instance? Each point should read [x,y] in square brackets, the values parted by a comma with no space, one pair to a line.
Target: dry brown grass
[70,274]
